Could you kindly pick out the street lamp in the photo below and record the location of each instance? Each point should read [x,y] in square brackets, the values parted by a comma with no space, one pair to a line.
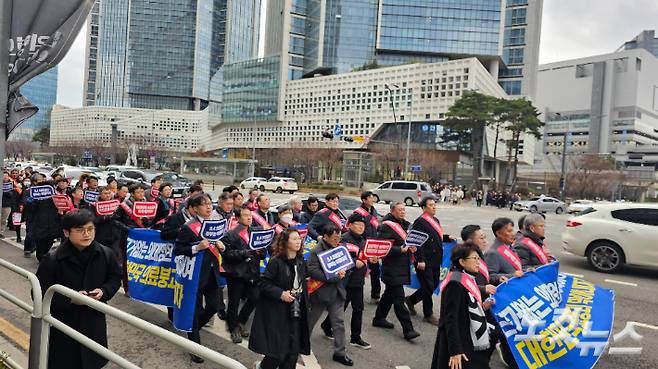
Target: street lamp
[395,123]
[563,180]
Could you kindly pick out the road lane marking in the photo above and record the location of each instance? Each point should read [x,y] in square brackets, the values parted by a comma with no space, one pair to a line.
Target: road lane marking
[15,334]
[402,367]
[574,275]
[621,282]
[643,325]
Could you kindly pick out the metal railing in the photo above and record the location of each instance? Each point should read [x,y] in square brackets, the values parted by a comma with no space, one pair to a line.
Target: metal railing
[173,338]
[35,311]
[42,321]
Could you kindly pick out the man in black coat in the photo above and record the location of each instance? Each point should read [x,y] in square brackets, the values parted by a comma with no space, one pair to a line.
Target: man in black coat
[331,294]
[312,206]
[329,215]
[428,260]
[242,270]
[367,210]
[262,216]
[84,265]
[46,221]
[396,272]
[107,229]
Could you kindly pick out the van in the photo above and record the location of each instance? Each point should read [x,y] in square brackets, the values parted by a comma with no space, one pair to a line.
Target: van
[409,192]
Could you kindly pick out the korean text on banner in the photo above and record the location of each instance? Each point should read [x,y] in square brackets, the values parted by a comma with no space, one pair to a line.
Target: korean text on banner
[552,320]
[213,230]
[107,207]
[42,192]
[62,202]
[186,288]
[376,248]
[145,209]
[416,238]
[150,267]
[261,239]
[335,260]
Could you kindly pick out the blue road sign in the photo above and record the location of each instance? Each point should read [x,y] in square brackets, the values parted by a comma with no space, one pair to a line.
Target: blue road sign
[338,130]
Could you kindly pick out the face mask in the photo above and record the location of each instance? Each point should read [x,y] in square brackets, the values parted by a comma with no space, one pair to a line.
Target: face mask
[286,218]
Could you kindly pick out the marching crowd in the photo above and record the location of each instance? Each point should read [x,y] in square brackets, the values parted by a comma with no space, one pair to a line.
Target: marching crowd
[288,299]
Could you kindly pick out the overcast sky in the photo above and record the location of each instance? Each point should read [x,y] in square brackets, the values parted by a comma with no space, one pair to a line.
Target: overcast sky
[570,29]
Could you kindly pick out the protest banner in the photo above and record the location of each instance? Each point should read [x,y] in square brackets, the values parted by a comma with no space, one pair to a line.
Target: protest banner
[150,267]
[7,187]
[376,248]
[302,229]
[42,192]
[62,202]
[261,239]
[416,238]
[553,320]
[335,260]
[107,207]
[445,267]
[186,287]
[91,196]
[213,230]
[16,218]
[145,209]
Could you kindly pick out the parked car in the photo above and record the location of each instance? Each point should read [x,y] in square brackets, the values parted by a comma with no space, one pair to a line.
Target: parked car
[612,235]
[74,173]
[409,192]
[279,184]
[115,170]
[544,204]
[579,205]
[144,176]
[252,182]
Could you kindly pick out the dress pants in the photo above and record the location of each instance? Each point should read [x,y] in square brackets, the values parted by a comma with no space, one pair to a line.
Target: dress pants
[429,280]
[355,297]
[336,312]
[375,282]
[42,247]
[203,313]
[239,289]
[394,297]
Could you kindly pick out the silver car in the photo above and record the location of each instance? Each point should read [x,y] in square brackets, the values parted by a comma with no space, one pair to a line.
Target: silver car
[542,204]
[409,192]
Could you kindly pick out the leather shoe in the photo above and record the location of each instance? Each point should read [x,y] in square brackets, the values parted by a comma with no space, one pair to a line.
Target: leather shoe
[410,306]
[382,324]
[411,335]
[221,314]
[343,360]
[196,359]
[235,336]
[432,319]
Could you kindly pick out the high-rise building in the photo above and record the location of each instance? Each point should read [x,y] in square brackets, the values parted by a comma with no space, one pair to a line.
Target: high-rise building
[646,40]
[42,92]
[163,53]
[339,36]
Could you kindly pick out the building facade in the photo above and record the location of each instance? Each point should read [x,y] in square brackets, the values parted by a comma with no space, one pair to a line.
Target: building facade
[171,130]
[162,54]
[42,92]
[606,104]
[646,40]
[339,36]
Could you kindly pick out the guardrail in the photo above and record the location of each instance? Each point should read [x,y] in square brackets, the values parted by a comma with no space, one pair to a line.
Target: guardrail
[42,320]
[183,343]
[35,311]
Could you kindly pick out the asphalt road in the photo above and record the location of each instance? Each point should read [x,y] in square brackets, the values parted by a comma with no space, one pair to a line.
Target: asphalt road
[635,290]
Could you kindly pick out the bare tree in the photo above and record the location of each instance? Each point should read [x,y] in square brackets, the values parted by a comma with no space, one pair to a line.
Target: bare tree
[593,176]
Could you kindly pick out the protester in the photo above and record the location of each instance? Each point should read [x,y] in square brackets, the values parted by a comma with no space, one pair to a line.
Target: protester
[238,202]
[329,215]
[125,212]
[330,295]
[296,205]
[285,215]
[242,271]
[253,196]
[153,194]
[262,216]
[225,206]
[395,272]
[312,205]
[368,211]
[530,247]
[84,265]
[107,229]
[189,243]
[122,193]
[112,185]
[428,260]
[9,197]
[77,199]
[166,205]
[280,329]
[46,221]
[193,190]
[463,337]
[355,241]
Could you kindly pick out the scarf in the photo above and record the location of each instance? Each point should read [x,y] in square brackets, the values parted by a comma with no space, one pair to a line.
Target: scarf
[479,328]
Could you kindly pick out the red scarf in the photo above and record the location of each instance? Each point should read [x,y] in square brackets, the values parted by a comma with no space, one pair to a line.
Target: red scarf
[536,249]
[436,225]
[510,256]
[466,281]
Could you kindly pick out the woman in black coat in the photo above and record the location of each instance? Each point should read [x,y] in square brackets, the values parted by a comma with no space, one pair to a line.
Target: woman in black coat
[280,328]
[84,265]
[462,340]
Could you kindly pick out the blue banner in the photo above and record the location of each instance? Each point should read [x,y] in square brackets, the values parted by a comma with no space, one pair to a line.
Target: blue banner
[186,288]
[416,238]
[151,267]
[91,196]
[335,260]
[7,186]
[42,192]
[445,267]
[213,230]
[261,239]
[553,320]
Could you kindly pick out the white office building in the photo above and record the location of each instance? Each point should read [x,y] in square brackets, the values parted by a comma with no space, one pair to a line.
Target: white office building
[169,130]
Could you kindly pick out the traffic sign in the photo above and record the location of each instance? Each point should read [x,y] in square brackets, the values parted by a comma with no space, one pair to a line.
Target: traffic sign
[338,130]
[416,169]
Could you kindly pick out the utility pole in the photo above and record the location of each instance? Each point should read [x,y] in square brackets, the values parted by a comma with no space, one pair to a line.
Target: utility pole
[5,33]
[411,111]
[395,123]
[563,180]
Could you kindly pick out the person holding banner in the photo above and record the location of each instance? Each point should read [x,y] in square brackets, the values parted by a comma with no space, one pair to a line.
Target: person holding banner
[396,272]
[242,270]
[428,260]
[355,241]
[280,330]
[92,183]
[328,293]
[530,247]
[190,243]
[166,206]
[46,220]
[462,340]
[262,217]
[77,198]
[153,194]
[368,211]
[82,264]
[107,230]
[286,219]
[9,197]
[225,206]
[122,193]
[327,216]
[125,213]
[252,204]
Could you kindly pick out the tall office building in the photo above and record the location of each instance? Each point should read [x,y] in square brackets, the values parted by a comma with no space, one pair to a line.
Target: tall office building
[646,40]
[339,36]
[42,92]
[161,54]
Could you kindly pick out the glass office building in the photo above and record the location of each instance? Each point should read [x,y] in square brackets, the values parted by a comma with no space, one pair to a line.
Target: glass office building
[163,54]
[42,92]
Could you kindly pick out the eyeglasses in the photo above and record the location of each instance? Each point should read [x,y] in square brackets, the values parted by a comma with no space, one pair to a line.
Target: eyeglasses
[81,230]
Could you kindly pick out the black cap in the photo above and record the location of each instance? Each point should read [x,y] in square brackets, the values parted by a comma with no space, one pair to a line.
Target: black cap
[356,217]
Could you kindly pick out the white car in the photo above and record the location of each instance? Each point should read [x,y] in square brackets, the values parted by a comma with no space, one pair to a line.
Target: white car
[279,184]
[579,205]
[74,173]
[611,235]
[544,204]
[252,182]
